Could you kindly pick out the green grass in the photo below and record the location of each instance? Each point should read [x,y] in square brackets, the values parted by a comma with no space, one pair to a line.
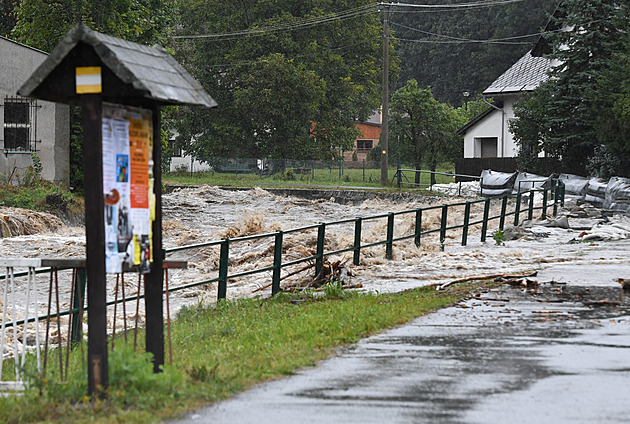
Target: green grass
[370,178]
[45,197]
[219,351]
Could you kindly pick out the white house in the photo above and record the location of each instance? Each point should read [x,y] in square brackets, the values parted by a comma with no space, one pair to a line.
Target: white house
[30,126]
[488,135]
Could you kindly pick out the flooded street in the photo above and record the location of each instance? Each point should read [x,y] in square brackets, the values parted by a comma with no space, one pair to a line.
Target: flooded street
[506,355]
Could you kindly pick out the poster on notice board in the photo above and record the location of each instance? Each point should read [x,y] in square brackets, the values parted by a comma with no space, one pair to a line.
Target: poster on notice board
[128,188]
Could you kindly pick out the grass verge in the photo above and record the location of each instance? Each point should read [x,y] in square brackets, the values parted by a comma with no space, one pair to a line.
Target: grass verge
[221,350]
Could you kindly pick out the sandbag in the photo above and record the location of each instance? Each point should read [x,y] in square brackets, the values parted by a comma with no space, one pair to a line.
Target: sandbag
[574,185]
[525,182]
[617,196]
[495,183]
[596,192]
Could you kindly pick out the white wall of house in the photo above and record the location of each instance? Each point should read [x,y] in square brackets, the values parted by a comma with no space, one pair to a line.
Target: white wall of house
[494,126]
[187,163]
[50,123]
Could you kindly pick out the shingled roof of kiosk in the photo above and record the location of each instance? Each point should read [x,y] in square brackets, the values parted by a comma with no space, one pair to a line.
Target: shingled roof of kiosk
[129,71]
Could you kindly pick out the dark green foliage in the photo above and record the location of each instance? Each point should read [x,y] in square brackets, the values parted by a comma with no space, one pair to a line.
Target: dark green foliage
[449,64]
[42,24]
[283,94]
[7,17]
[581,106]
[422,129]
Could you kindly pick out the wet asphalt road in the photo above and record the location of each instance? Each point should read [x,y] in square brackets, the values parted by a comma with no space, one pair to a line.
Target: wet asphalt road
[559,354]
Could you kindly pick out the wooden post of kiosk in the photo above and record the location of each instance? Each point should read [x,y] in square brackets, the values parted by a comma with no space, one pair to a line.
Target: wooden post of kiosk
[88,69]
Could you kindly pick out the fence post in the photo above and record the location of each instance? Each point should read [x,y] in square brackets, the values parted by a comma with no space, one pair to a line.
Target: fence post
[390,236]
[223,269]
[277,262]
[363,170]
[530,212]
[319,257]
[418,227]
[484,225]
[543,216]
[399,175]
[443,226]
[466,223]
[503,209]
[357,241]
[517,209]
[554,196]
[78,302]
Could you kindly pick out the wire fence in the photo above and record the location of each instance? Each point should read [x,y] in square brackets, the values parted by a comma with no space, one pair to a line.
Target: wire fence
[23,331]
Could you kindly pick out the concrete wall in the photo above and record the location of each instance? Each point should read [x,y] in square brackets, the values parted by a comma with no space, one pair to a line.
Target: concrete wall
[493,125]
[53,120]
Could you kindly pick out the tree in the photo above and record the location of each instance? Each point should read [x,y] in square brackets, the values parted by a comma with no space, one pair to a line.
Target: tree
[560,119]
[7,16]
[42,24]
[439,47]
[281,93]
[612,106]
[422,129]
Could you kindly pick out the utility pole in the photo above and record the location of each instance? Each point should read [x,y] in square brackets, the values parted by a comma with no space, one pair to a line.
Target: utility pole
[385,101]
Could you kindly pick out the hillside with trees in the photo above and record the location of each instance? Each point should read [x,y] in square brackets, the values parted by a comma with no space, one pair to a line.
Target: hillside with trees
[580,115]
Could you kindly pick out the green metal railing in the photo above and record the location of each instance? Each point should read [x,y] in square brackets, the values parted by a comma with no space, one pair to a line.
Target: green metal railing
[552,198]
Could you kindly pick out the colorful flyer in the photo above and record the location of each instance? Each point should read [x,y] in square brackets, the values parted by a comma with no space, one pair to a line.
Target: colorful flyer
[127,187]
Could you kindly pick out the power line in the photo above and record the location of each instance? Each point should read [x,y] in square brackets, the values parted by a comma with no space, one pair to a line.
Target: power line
[347,14]
[454,5]
[463,40]
[290,26]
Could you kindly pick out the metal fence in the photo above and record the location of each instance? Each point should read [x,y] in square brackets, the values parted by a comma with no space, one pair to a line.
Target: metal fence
[508,208]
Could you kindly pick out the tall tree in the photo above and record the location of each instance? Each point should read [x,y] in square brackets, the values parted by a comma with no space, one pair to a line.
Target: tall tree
[572,98]
[612,105]
[7,17]
[422,129]
[446,48]
[284,88]
[42,24]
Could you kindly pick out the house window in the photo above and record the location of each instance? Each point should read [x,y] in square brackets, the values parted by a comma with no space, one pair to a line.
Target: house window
[177,151]
[363,145]
[20,120]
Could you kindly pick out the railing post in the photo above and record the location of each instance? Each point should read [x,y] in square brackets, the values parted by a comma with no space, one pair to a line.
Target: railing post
[357,241]
[390,236]
[517,209]
[466,223]
[363,170]
[443,225]
[319,259]
[543,216]
[399,175]
[79,296]
[223,268]
[484,224]
[277,264]
[530,212]
[554,195]
[503,210]
[418,228]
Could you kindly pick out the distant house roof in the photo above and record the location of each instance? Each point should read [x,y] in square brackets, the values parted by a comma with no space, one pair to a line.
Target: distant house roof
[525,75]
[151,72]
